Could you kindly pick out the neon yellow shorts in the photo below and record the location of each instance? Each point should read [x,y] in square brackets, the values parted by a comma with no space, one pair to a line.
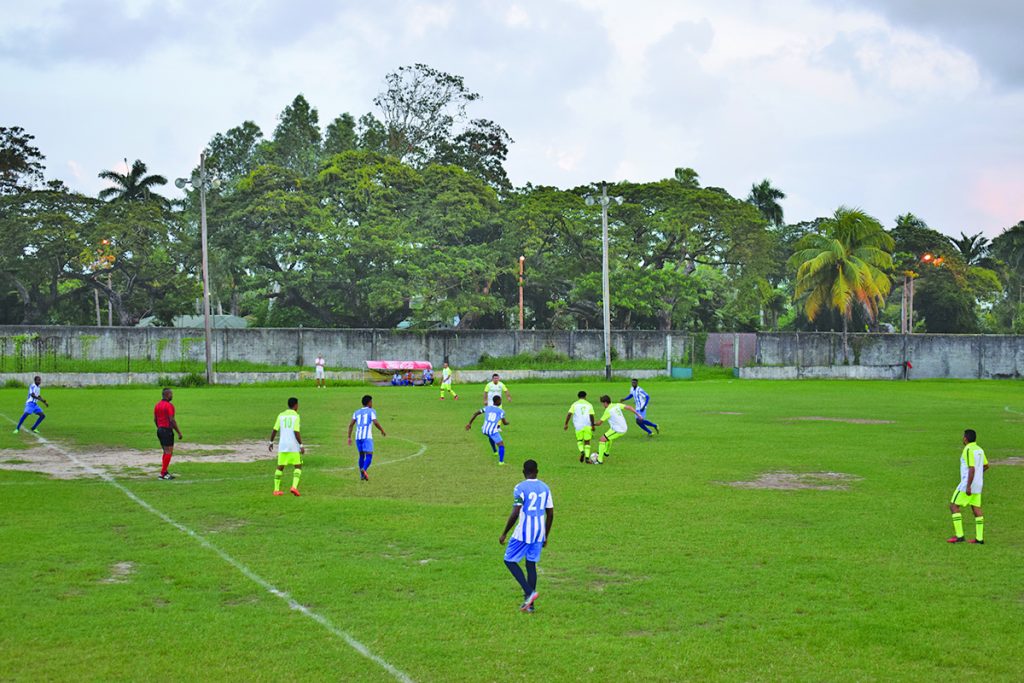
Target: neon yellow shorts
[611,435]
[960,498]
[289,459]
[585,434]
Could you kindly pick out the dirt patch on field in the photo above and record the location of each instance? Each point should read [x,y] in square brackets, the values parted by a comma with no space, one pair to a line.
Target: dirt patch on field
[791,481]
[120,572]
[1013,461]
[127,462]
[847,420]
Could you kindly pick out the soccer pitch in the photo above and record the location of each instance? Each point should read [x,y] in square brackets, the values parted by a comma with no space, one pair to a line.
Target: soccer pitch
[773,531]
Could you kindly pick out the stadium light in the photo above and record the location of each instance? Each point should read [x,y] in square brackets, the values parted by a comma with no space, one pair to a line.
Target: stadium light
[604,200]
[522,261]
[200,181]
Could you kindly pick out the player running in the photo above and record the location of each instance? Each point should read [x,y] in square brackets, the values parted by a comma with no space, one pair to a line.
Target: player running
[533,509]
[641,399]
[582,414]
[289,447]
[973,464]
[446,382]
[364,421]
[494,388]
[32,405]
[617,423]
[166,425]
[494,417]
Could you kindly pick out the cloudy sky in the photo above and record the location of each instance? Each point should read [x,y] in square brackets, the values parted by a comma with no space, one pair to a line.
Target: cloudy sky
[887,105]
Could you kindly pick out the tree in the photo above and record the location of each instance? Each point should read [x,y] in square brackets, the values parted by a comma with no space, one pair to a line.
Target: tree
[843,265]
[131,186]
[340,135]
[973,249]
[234,154]
[21,163]
[297,143]
[766,199]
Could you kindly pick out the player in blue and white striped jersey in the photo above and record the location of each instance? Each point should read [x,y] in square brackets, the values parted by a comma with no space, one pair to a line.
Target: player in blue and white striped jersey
[494,417]
[641,399]
[32,406]
[364,420]
[533,509]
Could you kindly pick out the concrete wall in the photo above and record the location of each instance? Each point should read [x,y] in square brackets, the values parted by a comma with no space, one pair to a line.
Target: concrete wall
[341,348]
[931,355]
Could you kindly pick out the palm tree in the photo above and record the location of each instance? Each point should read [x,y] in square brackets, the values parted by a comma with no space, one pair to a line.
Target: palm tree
[843,265]
[973,248]
[134,185]
[766,199]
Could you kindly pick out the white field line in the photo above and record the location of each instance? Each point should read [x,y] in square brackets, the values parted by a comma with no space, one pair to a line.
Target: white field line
[398,674]
[1011,410]
[251,477]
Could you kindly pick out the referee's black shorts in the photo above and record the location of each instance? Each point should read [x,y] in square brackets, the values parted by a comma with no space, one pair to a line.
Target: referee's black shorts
[166,436]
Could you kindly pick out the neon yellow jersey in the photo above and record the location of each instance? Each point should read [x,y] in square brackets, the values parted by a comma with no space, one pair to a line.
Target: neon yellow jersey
[972,456]
[581,412]
[614,417]
[286,425]
[446,375]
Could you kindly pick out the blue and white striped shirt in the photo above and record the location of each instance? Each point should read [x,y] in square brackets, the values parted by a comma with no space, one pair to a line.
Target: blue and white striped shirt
[534,497]
[492,420]
[640,398]
[364,418]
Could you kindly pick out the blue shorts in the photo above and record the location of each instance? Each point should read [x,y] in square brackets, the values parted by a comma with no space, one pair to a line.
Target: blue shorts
[364,445]
[495,438]
[641,413]
[33,409]
[517,550]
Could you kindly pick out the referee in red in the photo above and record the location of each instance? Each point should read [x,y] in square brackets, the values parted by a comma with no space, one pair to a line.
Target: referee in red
[166,425]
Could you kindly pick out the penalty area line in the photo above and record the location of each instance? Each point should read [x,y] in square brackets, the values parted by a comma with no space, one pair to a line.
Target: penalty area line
[270,588]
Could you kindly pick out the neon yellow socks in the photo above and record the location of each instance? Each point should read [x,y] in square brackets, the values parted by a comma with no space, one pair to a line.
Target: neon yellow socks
[586,451]
[296,474]
[277,479]
[958,524]
[602,449]
[979,528]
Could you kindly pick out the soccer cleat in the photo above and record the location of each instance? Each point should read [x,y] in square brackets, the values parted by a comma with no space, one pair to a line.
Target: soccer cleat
[166,476]
[583,458]
[278,493]
[363,475]
[456,398]
[976,541]
[955,539]
[295,491]
[656,430]
[527,606]
[16,431]
[529,610]
[501,463]
[34,431]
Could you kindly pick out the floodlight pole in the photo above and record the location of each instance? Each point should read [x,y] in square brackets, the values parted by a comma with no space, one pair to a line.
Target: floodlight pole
[206,267]
[605,288]
[522,261]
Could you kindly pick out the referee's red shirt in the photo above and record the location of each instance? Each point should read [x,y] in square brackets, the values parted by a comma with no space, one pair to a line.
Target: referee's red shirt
[164,413]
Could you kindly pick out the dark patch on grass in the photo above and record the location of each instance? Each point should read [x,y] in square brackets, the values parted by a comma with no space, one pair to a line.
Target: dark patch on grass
[791,481]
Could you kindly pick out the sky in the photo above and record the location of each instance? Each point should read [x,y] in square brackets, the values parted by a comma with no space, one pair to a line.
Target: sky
[891,106]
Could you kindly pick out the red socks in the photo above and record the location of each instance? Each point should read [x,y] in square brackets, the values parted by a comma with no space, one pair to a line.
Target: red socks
[167,461]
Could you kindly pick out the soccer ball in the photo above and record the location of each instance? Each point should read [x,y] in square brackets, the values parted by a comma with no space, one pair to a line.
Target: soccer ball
[593,459]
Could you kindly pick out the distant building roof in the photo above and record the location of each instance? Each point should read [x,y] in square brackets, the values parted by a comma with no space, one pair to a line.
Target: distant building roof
[196,321]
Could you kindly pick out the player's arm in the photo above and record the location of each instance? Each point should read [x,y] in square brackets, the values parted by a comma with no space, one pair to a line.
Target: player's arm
[380,428]
[39,397]
[473,418]
[628,398]
[565,427]
[504,420]
[350,424]
[273,435]
[549,519]
[632,410]
[298,437]
[508,396]
[512,518]
[174,426]
[592,423]
[970,479]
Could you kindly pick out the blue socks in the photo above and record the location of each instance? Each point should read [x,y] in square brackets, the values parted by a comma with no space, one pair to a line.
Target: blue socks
[517,572]
[501,453]
[644,424]
[531,576]
[22,420]
[41,418]
[364,460]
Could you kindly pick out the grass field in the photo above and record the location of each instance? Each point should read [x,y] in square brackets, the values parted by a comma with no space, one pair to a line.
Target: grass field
[657,568]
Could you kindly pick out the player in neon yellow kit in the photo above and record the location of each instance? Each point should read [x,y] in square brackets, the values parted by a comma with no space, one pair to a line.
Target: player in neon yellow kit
[582,414]
[289,448]
[973,465]
[494,388]
[446,382]
[616,421]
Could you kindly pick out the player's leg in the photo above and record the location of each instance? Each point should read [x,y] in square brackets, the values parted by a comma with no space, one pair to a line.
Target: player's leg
[490,442]
[278,475]
[296,475]
[497,440]
[642,424]
[602,448]
[42,416]
[21,421]
[979,524]
[514,552]
[958,519]
[533,551]
[366,457]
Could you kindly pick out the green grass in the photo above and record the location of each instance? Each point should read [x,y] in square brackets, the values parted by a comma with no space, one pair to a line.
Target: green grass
[655,570]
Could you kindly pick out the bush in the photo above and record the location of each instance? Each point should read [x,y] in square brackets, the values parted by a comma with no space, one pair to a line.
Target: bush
[14,384]
[192,379]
